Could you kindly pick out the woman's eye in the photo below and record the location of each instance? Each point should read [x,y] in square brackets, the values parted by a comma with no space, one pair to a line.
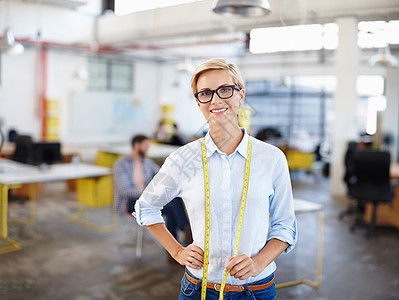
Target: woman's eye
[205,93]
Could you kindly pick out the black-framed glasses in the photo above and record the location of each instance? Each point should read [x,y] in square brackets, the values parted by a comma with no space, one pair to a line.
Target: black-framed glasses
[224,92]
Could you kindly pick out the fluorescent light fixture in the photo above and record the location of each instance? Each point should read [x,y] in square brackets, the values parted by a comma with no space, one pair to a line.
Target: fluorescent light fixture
[124,7]
[294,38]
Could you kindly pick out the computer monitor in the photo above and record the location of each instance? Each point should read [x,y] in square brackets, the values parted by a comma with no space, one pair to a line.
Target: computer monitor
[23,149]
[46,153]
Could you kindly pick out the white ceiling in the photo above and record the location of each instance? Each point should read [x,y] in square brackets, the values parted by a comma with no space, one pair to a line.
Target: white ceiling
[194,30]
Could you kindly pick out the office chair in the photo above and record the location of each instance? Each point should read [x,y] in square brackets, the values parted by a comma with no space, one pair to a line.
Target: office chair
[349,177]
[371,183]
[139,237]
[23,149]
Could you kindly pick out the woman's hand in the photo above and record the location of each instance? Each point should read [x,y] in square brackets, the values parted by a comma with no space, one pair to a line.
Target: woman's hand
[190,256]
[242,267]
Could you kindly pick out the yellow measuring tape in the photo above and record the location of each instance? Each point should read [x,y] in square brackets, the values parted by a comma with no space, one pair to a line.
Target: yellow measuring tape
[207,217]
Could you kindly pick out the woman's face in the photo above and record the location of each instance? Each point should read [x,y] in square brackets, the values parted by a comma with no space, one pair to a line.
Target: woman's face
[219,111]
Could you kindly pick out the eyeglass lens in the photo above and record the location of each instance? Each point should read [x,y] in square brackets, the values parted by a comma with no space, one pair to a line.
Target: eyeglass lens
[224,92]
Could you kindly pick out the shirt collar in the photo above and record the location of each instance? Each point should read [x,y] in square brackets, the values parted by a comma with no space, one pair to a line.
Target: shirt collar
[242,147]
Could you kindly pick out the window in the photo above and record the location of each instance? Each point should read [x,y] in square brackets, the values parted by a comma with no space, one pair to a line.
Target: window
[292,105]
[378,34]
[110,75]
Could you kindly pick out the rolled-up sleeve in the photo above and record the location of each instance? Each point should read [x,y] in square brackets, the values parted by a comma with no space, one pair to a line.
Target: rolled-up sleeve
[283,220]
[162,189]
[147,214]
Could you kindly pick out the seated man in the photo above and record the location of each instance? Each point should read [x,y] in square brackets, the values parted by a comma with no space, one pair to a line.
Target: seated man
[132,173]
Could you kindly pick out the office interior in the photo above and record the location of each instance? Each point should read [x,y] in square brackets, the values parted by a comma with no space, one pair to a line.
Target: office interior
[79,78]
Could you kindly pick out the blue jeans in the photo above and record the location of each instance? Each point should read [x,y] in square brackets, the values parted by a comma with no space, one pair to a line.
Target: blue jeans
[191,291]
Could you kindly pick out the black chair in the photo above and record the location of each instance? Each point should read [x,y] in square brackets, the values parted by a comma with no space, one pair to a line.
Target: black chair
[23,149]
[354,206]
[371,183]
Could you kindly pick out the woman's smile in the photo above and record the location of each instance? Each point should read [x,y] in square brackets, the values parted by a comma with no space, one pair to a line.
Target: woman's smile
[218,111]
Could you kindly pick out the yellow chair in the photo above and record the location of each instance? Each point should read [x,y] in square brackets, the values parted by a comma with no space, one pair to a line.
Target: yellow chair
[98,192]
[299,160]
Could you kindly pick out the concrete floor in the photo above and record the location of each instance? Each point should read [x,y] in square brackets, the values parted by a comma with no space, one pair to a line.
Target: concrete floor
[61,260]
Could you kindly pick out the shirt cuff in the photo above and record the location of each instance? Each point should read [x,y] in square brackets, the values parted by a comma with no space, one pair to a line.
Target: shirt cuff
[286,234]
[146,214]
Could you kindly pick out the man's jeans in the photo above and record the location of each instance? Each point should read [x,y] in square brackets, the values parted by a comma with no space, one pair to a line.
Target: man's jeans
[173,212]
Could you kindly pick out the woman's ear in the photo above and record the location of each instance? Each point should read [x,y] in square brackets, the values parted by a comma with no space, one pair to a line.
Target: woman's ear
[242,94]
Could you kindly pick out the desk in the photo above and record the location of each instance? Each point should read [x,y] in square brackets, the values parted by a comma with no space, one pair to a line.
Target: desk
[387,213]
[13,174]
[154,151]
[306,207]
[106,156]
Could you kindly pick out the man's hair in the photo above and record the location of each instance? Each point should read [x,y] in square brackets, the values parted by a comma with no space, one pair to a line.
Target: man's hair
[217,64]
[138,139]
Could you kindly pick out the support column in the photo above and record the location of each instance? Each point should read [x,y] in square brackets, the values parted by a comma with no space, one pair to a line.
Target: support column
[345,102]
[390,117]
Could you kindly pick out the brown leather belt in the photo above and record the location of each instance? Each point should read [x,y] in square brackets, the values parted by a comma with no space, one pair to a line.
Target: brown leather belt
[232,288]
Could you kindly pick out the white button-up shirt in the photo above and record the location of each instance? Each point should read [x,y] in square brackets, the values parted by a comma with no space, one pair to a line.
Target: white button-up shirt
[269,194]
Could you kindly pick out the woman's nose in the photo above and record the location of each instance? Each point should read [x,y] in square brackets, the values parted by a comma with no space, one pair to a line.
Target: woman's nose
[216,98]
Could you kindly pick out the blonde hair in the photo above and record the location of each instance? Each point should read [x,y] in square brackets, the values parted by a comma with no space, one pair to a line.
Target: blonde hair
[217,64]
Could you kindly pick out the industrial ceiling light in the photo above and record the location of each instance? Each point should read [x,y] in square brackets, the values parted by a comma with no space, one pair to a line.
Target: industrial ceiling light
[384,58]
[243,8]
[8,44]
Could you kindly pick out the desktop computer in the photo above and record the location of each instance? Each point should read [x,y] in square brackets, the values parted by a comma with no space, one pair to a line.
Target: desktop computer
[46,153]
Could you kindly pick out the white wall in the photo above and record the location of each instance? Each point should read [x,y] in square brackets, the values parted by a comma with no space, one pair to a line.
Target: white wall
[56,24]
[19,87]
[19,104]
[20,80]
[175,88]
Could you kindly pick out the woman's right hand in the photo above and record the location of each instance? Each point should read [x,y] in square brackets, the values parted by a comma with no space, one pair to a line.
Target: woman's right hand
[191,256]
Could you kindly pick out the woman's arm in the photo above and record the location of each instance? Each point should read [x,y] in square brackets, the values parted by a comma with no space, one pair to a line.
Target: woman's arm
[243,267]
[190,256]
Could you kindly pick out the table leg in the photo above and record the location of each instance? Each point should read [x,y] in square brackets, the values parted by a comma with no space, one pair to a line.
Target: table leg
[89,200]
[81,218]
[32,209]
[12,245]
[309,282]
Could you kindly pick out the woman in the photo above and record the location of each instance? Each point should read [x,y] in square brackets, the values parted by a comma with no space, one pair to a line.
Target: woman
[230,184]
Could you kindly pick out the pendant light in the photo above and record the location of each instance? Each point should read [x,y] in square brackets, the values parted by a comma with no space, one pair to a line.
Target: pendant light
[384,58]
[242,8]
[7,42]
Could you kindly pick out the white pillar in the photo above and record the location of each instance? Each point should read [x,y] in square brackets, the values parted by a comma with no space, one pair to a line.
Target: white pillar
[345,102]
[390,117]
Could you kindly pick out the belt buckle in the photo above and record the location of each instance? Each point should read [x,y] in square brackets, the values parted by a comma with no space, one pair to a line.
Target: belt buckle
[215,286]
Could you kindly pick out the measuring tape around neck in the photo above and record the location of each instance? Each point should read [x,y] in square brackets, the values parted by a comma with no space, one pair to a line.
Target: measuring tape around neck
[207,217]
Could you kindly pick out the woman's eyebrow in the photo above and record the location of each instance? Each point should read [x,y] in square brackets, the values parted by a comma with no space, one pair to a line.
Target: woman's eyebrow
[208,89]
